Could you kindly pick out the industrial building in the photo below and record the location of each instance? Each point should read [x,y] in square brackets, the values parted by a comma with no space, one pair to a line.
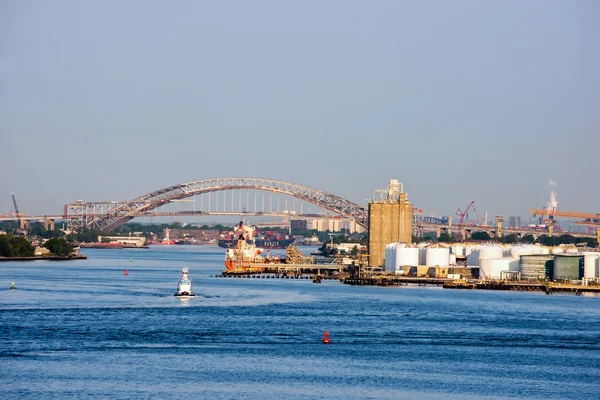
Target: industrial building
[327,224]
[390,221]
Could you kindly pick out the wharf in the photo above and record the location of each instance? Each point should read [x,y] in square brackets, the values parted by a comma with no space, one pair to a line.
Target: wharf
[547,287]
[314,278]
[282,269]
[394,281]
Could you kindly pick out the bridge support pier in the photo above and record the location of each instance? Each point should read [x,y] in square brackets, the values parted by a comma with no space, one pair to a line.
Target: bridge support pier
[24,225]
[49,224]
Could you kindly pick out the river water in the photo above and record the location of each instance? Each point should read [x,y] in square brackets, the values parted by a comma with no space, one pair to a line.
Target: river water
[82,329]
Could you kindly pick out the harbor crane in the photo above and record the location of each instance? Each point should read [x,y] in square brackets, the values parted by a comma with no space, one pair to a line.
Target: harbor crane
[465,213]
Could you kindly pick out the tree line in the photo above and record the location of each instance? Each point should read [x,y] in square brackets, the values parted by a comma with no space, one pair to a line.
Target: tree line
[18,246]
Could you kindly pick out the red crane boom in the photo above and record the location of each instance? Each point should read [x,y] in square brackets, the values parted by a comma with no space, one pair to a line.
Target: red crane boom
[465,213]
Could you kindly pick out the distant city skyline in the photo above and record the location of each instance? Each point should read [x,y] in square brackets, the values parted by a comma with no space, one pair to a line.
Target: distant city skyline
[460,101]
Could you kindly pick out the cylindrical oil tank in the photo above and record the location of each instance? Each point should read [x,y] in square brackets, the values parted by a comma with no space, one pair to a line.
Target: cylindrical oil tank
[458,250]
[473,257]
[590,262]
[467,250]
[490,252]
[437,256]
[525,250]
[568,267]
[389,256]
[406,256]
[422,256]
[492,268]
[537,266]
[452,259]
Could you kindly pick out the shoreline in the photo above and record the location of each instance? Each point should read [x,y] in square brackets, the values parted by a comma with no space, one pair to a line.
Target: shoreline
[35,258]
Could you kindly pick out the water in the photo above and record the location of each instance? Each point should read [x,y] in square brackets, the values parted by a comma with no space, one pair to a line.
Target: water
[81,329]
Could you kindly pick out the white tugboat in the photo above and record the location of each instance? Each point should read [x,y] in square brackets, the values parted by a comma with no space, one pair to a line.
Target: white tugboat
[184,289]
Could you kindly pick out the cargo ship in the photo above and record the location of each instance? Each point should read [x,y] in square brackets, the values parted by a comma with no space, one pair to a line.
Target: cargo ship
[265,240]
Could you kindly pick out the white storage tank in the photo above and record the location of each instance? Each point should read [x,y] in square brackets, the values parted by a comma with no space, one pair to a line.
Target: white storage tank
[422,256]
[389,260]
[437,256]
[486,252]
[473,257]
[406,256]
[458,250]
[545,250]
[590,264]
[492,268]
[526,250]
[468,250]
[452,259]
[557,250]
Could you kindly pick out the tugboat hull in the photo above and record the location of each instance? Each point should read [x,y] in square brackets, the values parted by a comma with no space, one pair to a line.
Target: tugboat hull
[184,289]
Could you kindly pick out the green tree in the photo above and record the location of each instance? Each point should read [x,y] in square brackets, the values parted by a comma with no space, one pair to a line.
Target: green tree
[22,247]
[59,246]
[6,249]
[445,237]
[566,239]
[512,238]
[547,241]
[528,239]
[480,235]
[354,251]
[36,229]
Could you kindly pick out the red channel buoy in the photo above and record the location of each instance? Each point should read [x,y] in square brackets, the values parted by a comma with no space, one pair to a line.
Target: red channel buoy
[326,337]
[126,272]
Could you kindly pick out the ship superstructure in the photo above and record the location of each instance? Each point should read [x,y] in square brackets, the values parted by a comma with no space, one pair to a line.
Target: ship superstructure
[184,288]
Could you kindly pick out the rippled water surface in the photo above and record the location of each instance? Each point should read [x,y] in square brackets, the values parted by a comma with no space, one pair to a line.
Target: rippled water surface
[82,329]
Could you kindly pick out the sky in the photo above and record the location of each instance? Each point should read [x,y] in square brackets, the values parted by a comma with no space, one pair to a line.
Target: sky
[460,101]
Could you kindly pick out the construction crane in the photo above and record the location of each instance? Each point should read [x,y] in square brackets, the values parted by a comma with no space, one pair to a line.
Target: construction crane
[16,210]
[465,213]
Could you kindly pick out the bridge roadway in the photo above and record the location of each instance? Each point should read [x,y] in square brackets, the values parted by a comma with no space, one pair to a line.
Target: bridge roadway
[179,214]
[423,226]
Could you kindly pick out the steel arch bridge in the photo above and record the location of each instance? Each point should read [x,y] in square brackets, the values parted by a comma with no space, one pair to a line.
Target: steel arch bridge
[106,216]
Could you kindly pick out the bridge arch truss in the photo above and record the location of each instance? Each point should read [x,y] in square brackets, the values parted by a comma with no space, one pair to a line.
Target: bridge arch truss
[107,216]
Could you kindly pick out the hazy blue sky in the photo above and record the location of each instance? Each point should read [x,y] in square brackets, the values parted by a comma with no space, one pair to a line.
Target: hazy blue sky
[459,100]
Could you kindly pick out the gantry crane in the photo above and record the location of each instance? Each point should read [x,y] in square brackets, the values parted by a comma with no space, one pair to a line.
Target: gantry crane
[548,216]
[499,221]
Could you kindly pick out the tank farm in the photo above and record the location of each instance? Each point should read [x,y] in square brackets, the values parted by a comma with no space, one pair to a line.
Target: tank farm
[392,259]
